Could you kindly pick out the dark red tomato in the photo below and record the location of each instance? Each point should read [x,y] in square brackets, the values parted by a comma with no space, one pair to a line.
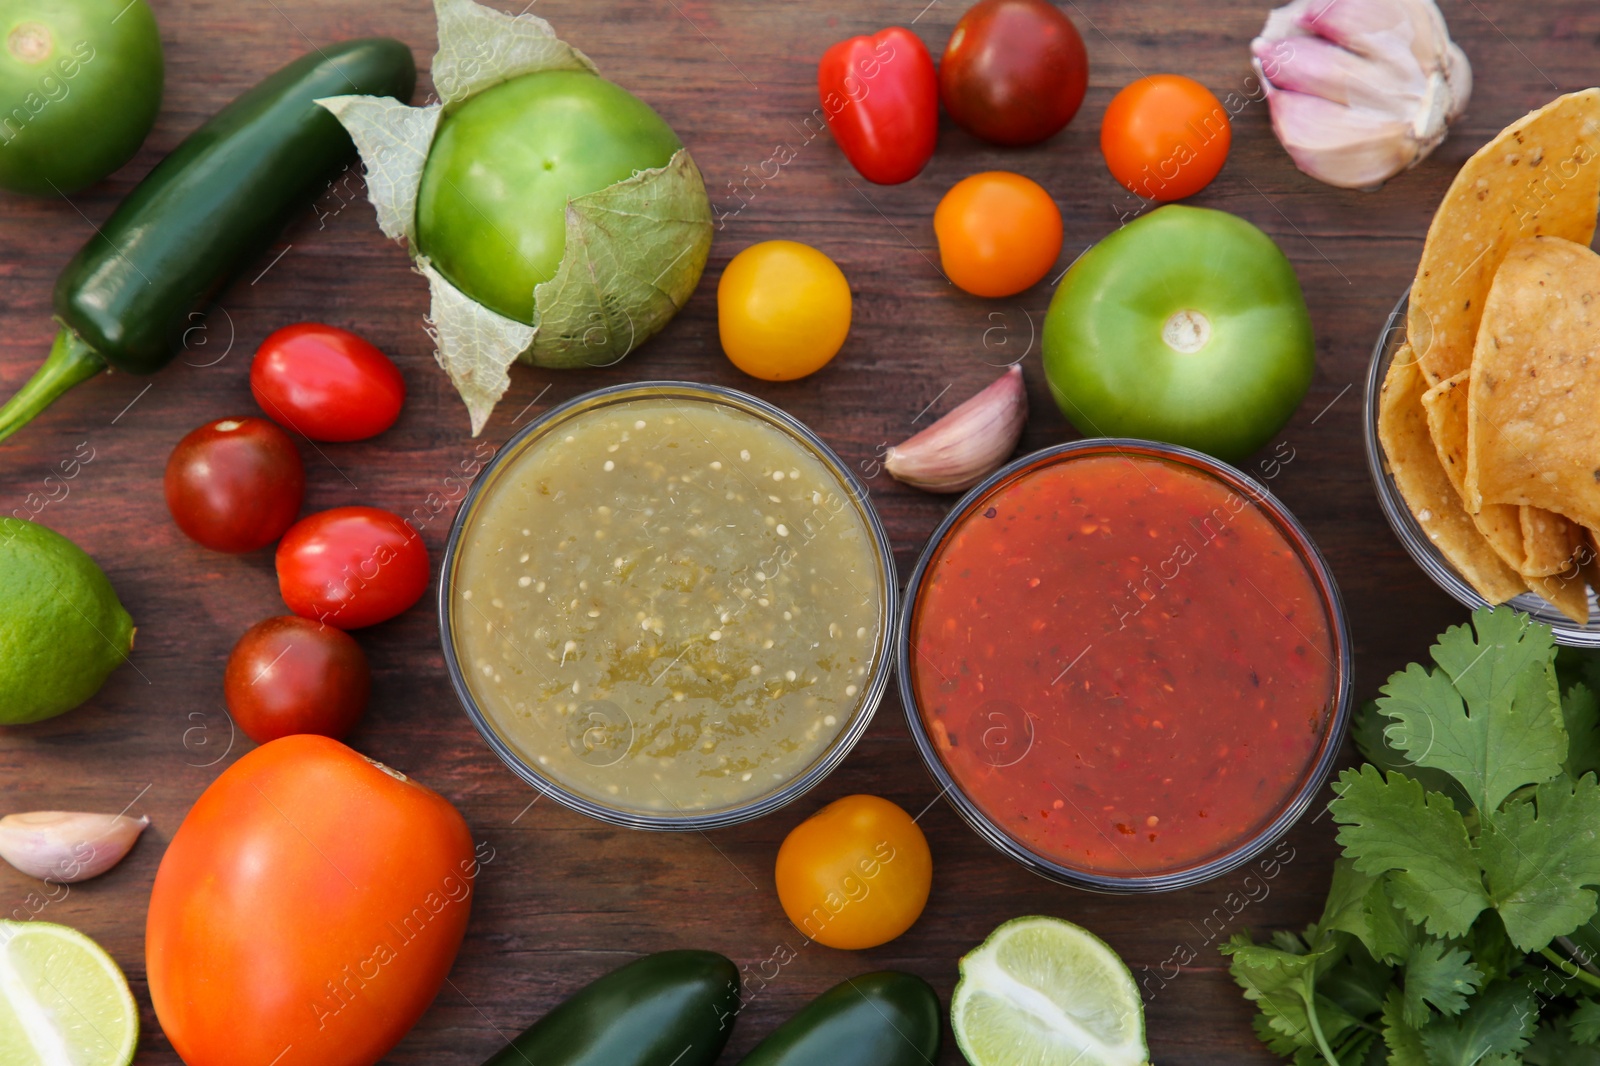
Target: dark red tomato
[880,97]
[326,382]
[352,566]
[234,485]
[1014,71]
[292,675]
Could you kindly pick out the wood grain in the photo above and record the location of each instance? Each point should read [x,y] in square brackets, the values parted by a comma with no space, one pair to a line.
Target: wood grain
[566,898]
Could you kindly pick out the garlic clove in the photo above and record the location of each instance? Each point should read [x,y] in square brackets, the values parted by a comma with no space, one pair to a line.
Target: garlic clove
[1351,148]
[1323,69]
[969,443]
[67,846]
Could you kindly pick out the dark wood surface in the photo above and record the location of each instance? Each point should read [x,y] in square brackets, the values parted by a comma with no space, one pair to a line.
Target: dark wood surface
[566,898]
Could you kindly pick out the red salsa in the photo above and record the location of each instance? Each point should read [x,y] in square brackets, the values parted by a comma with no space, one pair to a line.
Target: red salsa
[1123,663]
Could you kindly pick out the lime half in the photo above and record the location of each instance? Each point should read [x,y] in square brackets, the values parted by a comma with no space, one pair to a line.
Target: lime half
[63,1002]
[1044,992]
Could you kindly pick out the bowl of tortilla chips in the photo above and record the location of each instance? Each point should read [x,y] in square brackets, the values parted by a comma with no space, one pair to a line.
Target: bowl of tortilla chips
[1483,398]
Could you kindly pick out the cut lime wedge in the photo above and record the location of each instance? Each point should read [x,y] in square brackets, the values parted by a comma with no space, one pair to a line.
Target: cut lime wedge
[63,1002]
[1044,992]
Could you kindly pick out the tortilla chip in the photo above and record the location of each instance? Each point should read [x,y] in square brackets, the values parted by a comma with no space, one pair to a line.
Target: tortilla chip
[1539,176]
[1533,435]
[1589,559]
[1550,541]
[1420,477]
[1446,408]
[1566,592]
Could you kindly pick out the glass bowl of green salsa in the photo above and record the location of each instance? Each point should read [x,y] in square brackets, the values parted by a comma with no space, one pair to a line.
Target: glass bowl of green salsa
[668,606]
[1126,664]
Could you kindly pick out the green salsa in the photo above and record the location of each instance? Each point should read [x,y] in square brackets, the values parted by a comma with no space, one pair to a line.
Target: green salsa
[668,605]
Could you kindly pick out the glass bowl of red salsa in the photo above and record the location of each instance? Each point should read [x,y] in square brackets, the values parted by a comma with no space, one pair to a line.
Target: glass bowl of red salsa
[1126,663]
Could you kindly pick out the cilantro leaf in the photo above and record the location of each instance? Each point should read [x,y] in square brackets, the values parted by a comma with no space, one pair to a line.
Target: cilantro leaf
[1359,905]
[1358,983]
[1586,1022]
[1401,1038]
[1438,974]
[1555,1045]
[1580,712]
[1392,825]
[1368,731]
[1282,984]
[1490,714]
[1578,664]
[1538,855]
[1499,1021]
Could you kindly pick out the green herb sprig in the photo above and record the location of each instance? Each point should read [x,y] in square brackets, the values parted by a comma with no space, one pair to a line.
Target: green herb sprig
[1460,927]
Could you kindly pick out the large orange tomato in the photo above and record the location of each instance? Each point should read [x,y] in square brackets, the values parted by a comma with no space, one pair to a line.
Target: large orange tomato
[307,910]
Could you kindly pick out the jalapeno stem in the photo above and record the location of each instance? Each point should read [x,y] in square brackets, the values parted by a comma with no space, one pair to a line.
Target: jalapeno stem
[71,362]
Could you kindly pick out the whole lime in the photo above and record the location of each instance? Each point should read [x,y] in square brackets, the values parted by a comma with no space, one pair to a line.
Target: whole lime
[80,85]
[492,207]
[62,628]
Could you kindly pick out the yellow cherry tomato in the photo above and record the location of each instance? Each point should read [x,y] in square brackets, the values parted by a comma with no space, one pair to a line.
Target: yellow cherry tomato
[999,233]
[783,309]
[856,874]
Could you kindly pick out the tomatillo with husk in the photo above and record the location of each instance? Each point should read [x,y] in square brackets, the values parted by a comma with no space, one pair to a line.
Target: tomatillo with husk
[557,219]
[492,208]
[1186,326]
[80,85]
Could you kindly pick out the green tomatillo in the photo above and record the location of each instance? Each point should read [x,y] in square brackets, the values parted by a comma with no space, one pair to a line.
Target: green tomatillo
[80,84]
[1186,326]
[557,218]
[492,208]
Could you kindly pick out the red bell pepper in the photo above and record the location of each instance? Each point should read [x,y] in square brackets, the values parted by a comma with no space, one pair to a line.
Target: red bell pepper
[880,97]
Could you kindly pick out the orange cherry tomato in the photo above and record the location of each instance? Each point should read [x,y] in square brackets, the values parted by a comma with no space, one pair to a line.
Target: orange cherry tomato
[999,233]
[307,910]
[1165,137]
[856,874]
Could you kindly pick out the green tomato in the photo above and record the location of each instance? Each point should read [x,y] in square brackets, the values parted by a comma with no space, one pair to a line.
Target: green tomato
[491,212]
[80,85]
[1186,326]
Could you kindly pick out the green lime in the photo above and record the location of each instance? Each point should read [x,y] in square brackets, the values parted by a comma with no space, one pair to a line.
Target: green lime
[1042,991]
[62,629]
[62,999]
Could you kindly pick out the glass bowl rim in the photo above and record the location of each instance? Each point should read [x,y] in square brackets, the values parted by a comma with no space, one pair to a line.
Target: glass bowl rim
[1289,813]
[1405,526]
[872,693]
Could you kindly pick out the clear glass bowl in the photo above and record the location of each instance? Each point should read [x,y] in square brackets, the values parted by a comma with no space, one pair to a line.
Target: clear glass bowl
[784,792]
[1410,533]
[1320,766]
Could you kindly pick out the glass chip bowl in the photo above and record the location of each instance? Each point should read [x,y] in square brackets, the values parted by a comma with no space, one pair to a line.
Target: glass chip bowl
[1410,532]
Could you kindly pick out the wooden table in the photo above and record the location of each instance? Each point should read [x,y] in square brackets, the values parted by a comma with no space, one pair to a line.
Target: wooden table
[566,898]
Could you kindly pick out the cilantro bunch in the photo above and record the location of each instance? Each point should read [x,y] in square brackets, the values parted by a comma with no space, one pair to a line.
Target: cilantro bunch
[1460,927]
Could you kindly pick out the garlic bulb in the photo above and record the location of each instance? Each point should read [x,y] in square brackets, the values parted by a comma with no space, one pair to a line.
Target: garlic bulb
[1360,89]
[966,445]
[67,846]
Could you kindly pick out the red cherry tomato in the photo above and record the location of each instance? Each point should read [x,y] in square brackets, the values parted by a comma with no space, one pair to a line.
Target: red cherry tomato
[326,382]
[1014,71]
[1165,137]
[234,485]
[292,675]
[880,97]
[352,566]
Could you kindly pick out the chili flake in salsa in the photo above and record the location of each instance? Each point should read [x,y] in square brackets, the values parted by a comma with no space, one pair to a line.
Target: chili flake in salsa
[1123,663]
